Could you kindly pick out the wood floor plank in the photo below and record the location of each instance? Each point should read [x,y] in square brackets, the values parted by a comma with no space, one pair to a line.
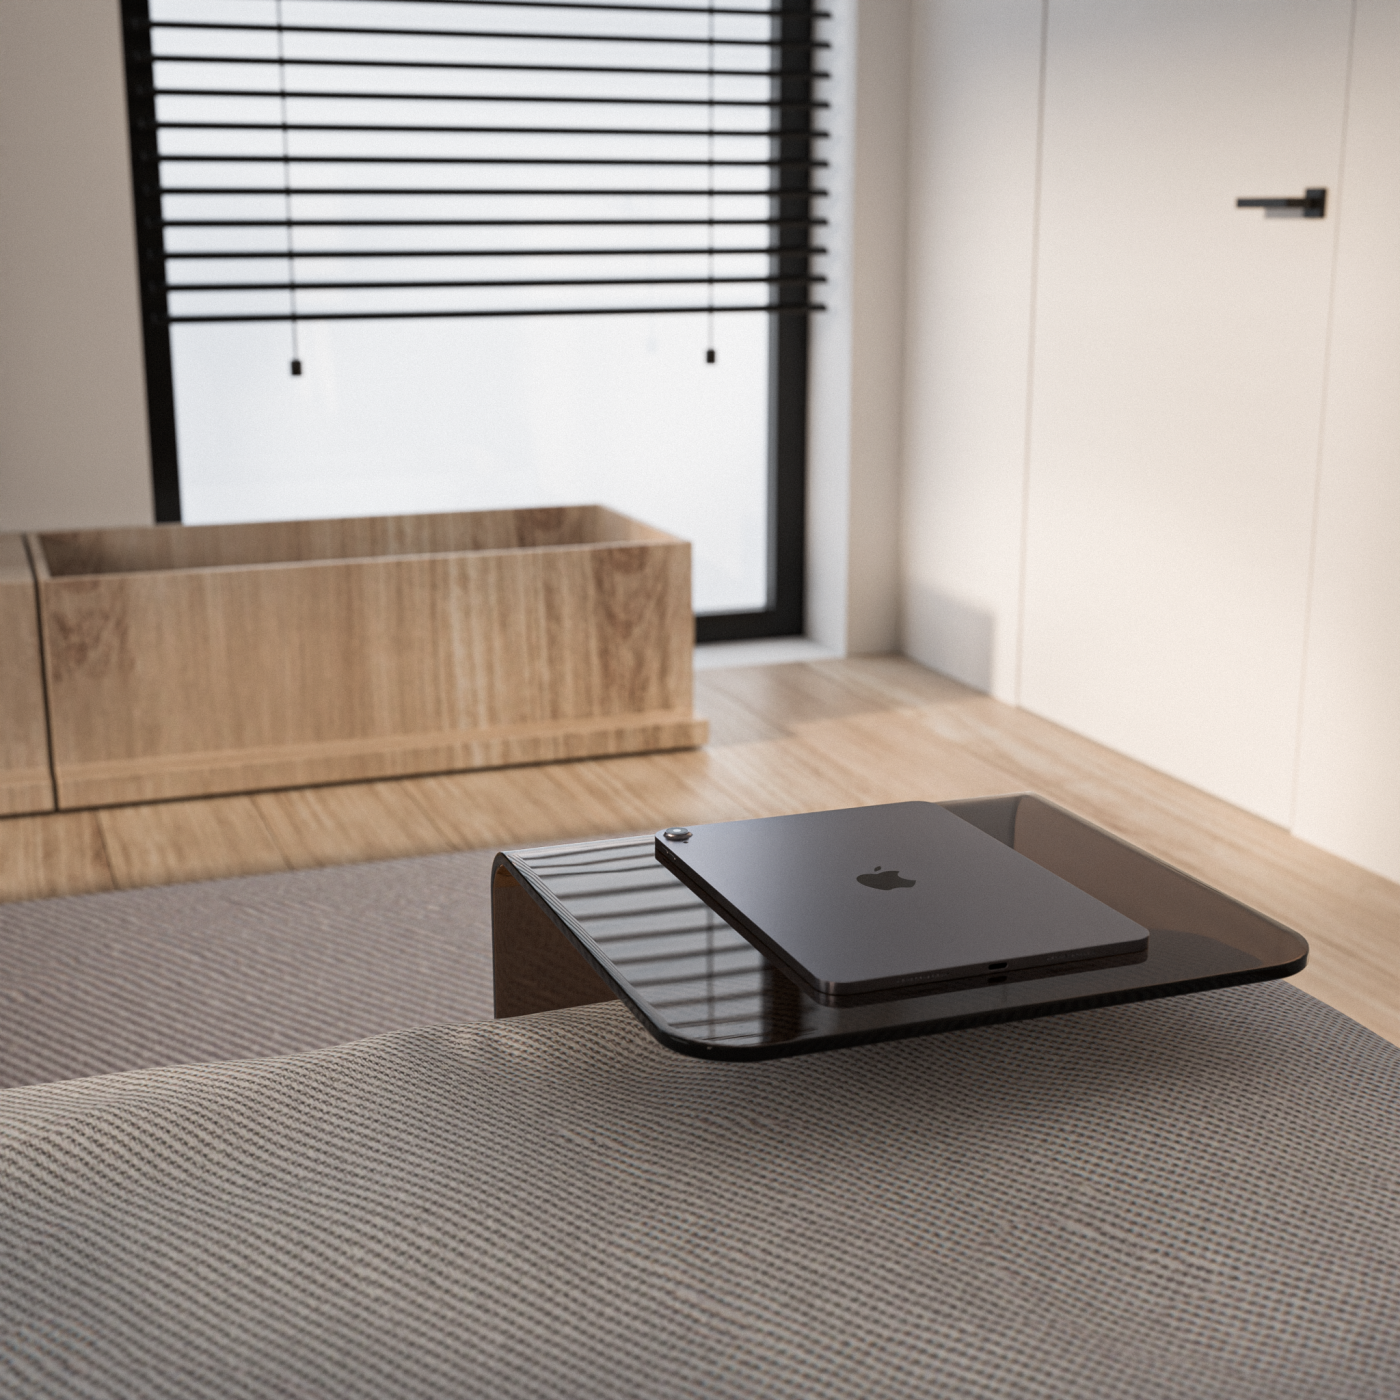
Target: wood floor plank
[755,703]
[650,791]
[899,759]
[357,822]
[506,807]
[164,843]
[57,853]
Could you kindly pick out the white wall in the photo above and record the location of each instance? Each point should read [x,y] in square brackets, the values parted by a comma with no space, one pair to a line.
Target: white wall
[974,133]
[880,171]
[1348,797]
[856,385]
[73,443]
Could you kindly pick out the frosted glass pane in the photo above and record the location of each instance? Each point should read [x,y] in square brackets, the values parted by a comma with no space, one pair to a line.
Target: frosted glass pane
[396,417]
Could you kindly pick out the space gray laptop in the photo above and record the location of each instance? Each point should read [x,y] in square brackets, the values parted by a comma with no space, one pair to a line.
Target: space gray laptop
[873,898]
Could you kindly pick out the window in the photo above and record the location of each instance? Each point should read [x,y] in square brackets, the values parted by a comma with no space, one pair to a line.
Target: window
[410,255]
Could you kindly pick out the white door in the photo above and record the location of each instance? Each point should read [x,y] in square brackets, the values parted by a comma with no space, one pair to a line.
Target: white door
[1349,747]
[1178,366]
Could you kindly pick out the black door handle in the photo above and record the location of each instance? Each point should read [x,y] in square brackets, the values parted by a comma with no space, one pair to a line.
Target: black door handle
[1313,204]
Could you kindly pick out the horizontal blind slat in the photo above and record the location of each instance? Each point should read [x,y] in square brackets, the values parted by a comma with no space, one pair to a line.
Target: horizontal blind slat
[781,309]
[493,34]
[216,158]
[527,99]
[494,282]
[494,223]
[737,132]
[650,252]
[748,12]
[480,67]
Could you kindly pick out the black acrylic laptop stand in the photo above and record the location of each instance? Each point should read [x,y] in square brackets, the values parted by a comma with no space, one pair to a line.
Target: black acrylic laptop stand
[584,923]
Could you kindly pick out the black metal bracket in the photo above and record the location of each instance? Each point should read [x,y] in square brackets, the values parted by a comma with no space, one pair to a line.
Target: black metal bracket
[1313,204]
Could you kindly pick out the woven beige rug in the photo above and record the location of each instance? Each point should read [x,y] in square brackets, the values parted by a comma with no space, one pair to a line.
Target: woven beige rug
[226,969]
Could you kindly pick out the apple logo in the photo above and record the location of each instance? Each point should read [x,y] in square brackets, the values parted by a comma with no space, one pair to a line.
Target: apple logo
[884,880]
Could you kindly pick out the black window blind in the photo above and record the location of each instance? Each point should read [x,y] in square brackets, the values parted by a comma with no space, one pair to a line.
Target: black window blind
[352,159]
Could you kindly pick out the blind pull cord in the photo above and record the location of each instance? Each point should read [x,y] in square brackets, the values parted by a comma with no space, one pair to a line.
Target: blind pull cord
[287,191]
[710,193]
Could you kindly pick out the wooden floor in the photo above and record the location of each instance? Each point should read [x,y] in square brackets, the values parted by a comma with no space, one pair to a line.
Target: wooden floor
[783,739]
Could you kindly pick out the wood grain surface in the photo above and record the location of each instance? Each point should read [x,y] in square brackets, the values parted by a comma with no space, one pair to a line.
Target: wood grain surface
[144,549]
[173,841]
[26,784]
[57,853]
[783,739]
[347,650]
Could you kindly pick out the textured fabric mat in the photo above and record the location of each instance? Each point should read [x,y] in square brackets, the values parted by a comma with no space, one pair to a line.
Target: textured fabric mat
[1197,1197]
[224,969]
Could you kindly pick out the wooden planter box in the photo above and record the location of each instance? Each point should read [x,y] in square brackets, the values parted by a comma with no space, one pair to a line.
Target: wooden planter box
[25,783]
[187,660]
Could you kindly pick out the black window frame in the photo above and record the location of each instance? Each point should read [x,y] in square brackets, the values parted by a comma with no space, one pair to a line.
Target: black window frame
[788,328]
